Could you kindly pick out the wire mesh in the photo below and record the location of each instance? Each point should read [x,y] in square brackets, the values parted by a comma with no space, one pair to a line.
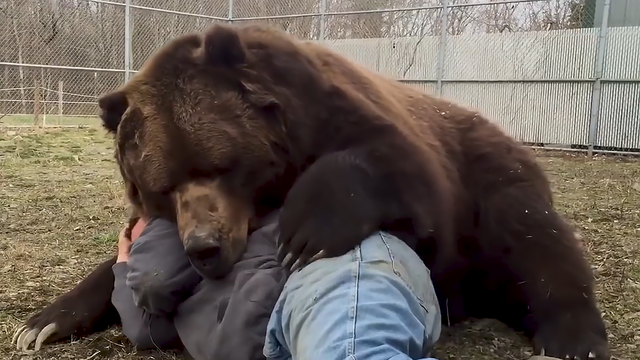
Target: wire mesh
[271,8]
[152,29]
[305,28]
[57,34]
[341,6]
[219,8]
[45,96]
[398,44]
[528,64]
[83,34]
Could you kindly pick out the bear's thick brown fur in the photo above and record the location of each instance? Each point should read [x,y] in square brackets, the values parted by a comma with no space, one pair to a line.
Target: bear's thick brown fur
[254,119]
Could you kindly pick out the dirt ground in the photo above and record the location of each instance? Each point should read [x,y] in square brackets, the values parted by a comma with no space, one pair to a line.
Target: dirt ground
[61,210]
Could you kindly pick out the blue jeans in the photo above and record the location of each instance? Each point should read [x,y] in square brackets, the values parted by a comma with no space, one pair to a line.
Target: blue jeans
[376,302]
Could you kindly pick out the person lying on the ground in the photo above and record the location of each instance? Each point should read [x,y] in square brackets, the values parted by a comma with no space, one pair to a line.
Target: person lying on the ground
[375,302]
[163,301]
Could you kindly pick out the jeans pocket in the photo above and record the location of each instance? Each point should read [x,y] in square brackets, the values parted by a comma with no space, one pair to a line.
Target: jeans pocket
[415,275]
[408,266]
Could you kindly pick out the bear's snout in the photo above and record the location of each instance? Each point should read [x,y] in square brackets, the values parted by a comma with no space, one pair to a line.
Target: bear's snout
[207,256]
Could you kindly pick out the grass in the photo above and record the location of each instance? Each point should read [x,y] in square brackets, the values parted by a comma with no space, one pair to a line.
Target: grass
[49,120]
[61,210]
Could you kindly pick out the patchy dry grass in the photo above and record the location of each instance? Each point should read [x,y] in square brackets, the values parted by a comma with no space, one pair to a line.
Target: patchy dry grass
[60,211]
[49,120]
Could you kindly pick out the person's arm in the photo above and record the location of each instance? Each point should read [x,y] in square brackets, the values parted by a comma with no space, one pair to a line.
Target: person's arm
[156,242]
[243,313]
[144,330]
[243,325]
[160,274]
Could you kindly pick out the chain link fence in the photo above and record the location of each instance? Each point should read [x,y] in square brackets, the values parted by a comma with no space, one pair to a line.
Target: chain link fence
[548,71]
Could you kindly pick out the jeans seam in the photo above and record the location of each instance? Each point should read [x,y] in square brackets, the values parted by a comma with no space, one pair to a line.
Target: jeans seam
[422,302]
[353,313]
[393,262]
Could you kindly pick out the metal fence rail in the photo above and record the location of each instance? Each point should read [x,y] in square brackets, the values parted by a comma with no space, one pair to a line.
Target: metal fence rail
[546,70]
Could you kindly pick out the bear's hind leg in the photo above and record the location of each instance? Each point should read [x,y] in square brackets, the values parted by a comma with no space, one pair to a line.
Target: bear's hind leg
[520,230]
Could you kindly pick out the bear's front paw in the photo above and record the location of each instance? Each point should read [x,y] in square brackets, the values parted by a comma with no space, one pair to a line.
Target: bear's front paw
[58,320]
[85,309]
[328,212]
[573,335]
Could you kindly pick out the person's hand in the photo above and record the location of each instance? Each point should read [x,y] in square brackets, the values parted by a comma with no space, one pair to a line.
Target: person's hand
[137,228]
[124,243]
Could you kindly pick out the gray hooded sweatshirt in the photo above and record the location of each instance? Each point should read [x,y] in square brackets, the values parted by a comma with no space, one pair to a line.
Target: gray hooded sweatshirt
[163,301]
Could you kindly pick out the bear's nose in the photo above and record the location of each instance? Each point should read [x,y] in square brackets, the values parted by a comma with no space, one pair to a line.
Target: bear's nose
[202,249]
[207,256]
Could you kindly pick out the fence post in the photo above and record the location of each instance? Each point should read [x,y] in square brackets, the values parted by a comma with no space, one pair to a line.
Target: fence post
[60,92]
[230,12]
[36,102]
[444,22]
[323,19]
[597,84]
[127,39]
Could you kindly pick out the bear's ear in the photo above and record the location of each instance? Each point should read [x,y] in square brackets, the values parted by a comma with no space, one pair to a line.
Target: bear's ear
[223,47]
[112,107]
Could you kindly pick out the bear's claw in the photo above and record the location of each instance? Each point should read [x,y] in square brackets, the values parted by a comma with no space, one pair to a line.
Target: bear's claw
[24,336]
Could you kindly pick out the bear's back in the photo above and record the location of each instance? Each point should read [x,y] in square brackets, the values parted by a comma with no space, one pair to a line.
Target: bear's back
[468,141]
[420,114]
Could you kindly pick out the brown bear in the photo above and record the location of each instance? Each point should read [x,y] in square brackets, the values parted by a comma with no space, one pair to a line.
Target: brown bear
[244,120]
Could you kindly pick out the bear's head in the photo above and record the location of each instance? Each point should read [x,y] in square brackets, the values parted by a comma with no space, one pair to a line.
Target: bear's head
[209,120]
